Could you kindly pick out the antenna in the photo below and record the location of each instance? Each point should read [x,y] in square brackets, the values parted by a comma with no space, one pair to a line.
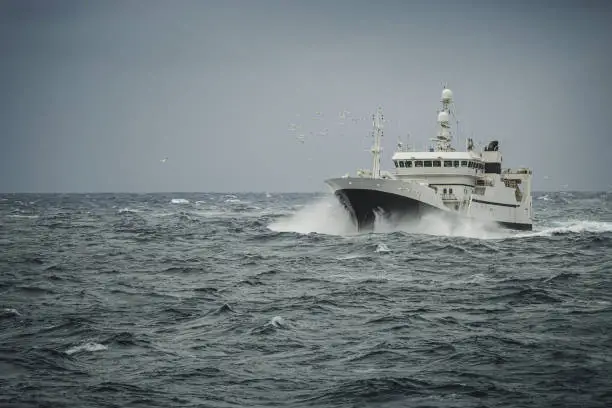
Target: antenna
[409,147]
[377,122]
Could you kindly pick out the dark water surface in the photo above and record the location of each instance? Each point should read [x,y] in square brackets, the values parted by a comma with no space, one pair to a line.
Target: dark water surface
[212,300]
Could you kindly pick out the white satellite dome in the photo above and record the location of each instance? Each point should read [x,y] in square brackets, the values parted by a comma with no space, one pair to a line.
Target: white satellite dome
[443,117]
[447,95]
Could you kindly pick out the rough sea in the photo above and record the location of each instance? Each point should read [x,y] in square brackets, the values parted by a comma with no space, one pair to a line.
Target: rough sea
[263,300]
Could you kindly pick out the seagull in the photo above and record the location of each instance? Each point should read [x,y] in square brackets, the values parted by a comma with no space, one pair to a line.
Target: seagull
[165,159]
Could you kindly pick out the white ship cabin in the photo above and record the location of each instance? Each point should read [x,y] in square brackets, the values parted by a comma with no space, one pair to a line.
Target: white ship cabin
[456,175]
[451,174]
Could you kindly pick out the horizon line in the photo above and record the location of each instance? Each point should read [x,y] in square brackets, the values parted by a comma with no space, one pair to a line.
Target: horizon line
[238,192]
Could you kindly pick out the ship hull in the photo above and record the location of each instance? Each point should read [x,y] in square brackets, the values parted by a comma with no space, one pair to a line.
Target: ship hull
[396,202]
[365,205]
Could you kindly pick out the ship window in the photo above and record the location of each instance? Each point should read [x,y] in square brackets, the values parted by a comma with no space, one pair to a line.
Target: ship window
[448,163]
[450,191]
[418,163]
[456,163]
[464,163]
[427,163]
[409,163]
[444,191]
[470,165]
[401,163]
[436,163]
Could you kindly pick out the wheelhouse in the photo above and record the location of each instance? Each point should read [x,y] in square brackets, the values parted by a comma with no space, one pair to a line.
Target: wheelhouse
[449,164]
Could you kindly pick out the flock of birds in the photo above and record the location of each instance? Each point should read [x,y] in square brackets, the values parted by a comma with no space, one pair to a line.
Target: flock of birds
[343,118]
[301,133]
[346,117]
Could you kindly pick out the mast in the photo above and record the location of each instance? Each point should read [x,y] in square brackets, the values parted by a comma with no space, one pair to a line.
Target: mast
[377,120]
[444,137]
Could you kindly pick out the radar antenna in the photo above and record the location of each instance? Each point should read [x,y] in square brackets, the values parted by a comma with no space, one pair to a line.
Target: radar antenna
[444,137]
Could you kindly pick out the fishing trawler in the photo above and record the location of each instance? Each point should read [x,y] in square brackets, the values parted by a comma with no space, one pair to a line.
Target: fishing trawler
[461,184]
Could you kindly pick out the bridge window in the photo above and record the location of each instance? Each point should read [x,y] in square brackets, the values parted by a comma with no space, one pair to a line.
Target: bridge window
[448,163]
[409,163]
[456,163]
[427,163]
[436,163]
[444,191]
[450,191]
[418,163]
[401,163]
[464,163]
[471,165]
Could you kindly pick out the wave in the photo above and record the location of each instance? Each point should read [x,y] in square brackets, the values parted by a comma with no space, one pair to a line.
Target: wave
[570,227]
[89,347]
[25,216]
[328,216]
[324,216]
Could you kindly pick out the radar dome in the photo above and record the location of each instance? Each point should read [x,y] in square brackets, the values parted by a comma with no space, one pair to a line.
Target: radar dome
[447,95]
[443,117]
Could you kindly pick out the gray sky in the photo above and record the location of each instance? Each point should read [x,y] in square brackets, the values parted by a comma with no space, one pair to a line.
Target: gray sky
[93,94]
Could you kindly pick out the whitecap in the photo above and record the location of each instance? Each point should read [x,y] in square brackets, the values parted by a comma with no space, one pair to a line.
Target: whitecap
[10,312]
[127,210]
[86,347]
[382,248]
[278,321]
[325,216]
[571,227]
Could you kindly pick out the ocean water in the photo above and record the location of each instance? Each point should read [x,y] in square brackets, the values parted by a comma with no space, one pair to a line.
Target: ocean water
[261,300]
